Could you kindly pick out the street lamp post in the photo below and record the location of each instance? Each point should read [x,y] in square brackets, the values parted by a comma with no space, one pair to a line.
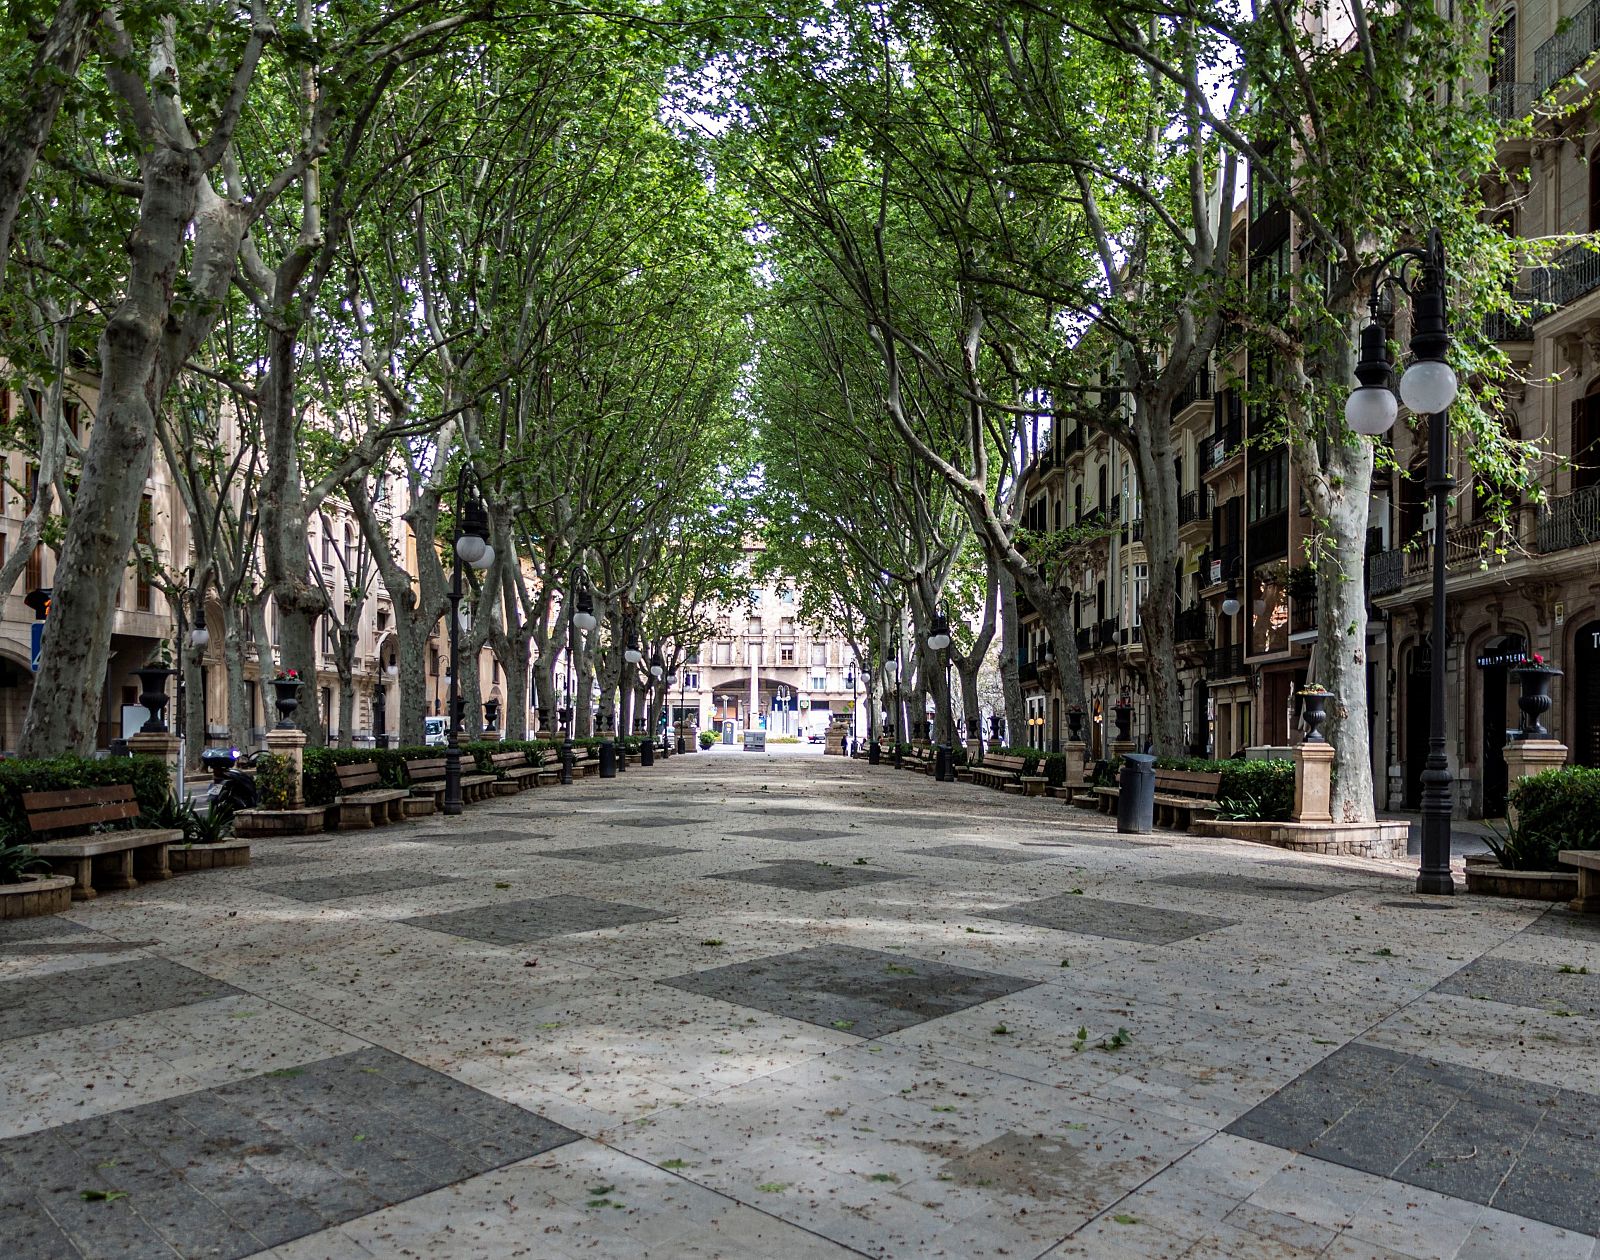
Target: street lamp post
[658,670]
[851,750]
[583,620]
[1428,388]
[631,657]
[471,547]
[943,758]
[683,683]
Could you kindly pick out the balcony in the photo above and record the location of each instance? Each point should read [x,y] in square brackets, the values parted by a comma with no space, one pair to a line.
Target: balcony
[1504,326]
[1072,443]
[1217,449]
[1106,633]
[1191,623]
[1083,638]
[1568,49]
[1135,531]
[1570,521]
[1199,389]
[1194,506]
[1225,662]
[1027,672]
[1303,617]
[1510,102]
[1218,563]
[1387,573]
[1573,273]
[1268,538]
[1390,571]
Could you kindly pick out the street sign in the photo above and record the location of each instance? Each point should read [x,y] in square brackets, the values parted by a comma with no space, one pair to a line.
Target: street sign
[38,643]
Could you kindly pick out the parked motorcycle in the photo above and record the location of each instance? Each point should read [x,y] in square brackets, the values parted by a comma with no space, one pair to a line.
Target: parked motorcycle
[232,785]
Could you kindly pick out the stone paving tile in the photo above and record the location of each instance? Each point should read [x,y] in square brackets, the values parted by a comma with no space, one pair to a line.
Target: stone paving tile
[533,919]
[1250,886]
[1477,1137]
[1527,984]
[1090,916]
[48,927]
[992,854]
[664,820]
[792,834]
[1559,921]
[629,851]
[860,991]
[92,995]
[226,1172]
[370,883]
[467,838]
[809,876]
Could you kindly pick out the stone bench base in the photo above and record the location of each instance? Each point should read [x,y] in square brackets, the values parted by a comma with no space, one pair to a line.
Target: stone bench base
[186,858]
[35,895]
[115,860]
[1588,863]
[1378,839]
[306,821]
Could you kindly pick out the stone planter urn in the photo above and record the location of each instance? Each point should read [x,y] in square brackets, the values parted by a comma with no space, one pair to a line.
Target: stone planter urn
[1535,700]
[153,695]
[1124,716]
[288,700]
[1314,712]
[1075,725]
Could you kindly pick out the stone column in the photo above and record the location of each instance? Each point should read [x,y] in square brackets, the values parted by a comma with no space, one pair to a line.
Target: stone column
[290,744]
[1313,782]
[752,720]
[1530,756]
[1074,750]
[162,744]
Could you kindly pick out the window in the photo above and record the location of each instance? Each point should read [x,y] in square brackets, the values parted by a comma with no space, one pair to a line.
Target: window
[494,671]
[327,549]
[819,654]
[1269,485]
[143,590]
[35,575]
[433,662]
[1141,590]
[691,680]
[786,654]
[819,680]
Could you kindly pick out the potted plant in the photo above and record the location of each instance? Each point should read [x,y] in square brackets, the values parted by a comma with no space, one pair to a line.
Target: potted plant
[153,688]
[1534,677]
[1314,699]
[286,682]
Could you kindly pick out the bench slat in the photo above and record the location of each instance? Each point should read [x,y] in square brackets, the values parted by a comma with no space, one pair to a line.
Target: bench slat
[77,796]
[60,819]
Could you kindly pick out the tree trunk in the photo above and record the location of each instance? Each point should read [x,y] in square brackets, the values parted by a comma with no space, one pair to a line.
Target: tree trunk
[1158,481]
[411,641]
[1342,627]
[347,703]
[63,713]
[233,663]
[1010,646]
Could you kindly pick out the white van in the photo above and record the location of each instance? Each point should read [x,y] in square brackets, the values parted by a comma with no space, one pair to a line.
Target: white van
[433,731]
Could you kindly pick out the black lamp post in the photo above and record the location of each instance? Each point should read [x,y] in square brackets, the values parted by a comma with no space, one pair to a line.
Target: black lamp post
[943,757]
[471,547]
[658,671]
[583,619]
[631,656]
[683,682]
[1428,388]
[850,751]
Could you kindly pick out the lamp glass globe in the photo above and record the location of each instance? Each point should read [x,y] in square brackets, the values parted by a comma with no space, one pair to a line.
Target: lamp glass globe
[1370,410]
[486,559]
[199,637]
[585,621]
[633,656]
[1230,607]
[1429,386]
[657,671]
[470,548]
[938,642]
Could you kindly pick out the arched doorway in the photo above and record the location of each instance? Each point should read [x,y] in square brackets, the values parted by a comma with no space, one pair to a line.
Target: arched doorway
[1583,697]
[1496,659]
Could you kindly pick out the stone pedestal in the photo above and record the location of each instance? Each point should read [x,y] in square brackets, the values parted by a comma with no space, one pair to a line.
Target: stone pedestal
[290,744]
[1530,756]
[489,737]
[1122,747]
[1313,783]
[162,744]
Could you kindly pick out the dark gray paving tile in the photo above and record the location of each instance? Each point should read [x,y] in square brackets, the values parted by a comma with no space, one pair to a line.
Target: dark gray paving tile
[333,887]
[628,851]
[1123,921]
[1526,984]
[46,927]
[809,876]
[1093,842]
[792,834]
[819,816]
[470,837]
[994,854]
[228,1171]
[653,820]
[274,858]
[1250,886]
[1484,1137]
[1559,921]
[534,919]
[861,991]
[91,995]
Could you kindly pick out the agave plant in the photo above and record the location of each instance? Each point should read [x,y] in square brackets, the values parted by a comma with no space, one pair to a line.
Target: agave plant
[17,860]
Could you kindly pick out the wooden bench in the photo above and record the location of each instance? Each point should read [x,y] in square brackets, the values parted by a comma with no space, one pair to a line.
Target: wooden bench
[363,801]
[111,859]
[1005,772]
[1181,794]
[514,771]
[426,776]
[1588,863]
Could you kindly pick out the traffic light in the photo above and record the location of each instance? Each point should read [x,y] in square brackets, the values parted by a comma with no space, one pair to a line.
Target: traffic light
[38,599]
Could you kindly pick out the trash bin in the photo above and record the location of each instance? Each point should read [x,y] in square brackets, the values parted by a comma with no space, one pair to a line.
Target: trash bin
[1136,796]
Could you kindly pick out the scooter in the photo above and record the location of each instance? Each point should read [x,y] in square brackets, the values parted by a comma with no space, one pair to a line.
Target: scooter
[232,786]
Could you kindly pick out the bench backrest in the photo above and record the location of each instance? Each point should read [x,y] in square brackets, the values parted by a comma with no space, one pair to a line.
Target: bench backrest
[362,774]
[999,761]
[1189,782]
[508,760]
[425,768]
[80,807]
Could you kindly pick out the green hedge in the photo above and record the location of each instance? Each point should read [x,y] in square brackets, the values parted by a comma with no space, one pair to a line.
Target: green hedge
[1556,809]
[1264,789]
[147,775]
